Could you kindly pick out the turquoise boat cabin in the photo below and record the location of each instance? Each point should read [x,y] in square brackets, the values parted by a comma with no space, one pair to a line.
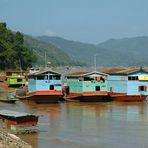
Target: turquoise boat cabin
[86,86]
[16,77]
[128,84]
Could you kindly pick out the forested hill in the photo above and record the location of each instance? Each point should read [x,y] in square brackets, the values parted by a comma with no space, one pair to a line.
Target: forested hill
[121,52]
[83,52]
[13,53]
[54,55]
[18,50]
[21,51]
[135,48]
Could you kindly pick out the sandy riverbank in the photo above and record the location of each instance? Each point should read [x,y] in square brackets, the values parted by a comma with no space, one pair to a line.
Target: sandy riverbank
[8,140]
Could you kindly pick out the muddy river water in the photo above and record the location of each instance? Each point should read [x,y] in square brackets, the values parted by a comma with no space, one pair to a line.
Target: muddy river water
[87,125]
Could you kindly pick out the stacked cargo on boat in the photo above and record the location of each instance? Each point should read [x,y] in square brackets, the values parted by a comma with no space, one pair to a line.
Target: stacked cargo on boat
[18,122]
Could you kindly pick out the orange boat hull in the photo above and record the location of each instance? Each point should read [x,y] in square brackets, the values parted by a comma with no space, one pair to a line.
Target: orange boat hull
[89,96]
[51,96]
[128,98]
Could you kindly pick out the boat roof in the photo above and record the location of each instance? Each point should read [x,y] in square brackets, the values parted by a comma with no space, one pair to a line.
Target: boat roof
[15,70]
[41,72]
[124,71]
[14,114]
[78,74]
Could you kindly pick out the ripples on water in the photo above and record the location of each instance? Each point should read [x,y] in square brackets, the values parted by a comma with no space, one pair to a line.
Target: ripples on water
[87,125]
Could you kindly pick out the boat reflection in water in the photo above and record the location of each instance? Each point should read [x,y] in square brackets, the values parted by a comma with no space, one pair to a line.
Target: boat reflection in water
[88,125]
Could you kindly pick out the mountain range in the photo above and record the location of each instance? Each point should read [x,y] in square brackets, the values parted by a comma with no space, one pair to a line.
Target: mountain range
[113,52]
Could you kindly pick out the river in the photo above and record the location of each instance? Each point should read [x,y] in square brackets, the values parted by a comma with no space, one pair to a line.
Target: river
[87,125]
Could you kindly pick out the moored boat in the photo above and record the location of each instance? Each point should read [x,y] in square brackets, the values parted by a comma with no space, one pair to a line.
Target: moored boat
[128,84]
[16,77]
[44,87]
[86,87]
[8,100]
[127,98]
[48,96]
[19,122]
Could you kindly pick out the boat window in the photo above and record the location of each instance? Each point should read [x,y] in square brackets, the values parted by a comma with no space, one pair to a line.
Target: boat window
[19,80]
[55,77]
[42,77]
[45,77]
[97,78]
[142,88]
[51,87]
[133,78]
[97,88]
[102,79]
[88,78]
[81,79]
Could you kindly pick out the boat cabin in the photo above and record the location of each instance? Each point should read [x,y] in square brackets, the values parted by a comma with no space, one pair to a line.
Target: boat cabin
[129,81]
[86,83]
[44,81]
[16,77]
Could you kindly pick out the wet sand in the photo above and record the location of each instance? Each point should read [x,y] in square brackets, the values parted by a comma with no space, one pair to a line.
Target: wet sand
[87,125]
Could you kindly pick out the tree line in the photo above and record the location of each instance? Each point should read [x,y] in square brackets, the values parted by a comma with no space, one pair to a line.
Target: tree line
[13,53]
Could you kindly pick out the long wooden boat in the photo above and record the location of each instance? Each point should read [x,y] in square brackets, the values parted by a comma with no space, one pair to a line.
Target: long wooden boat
[125,97]
[50,96]
[8,100]
[18,122]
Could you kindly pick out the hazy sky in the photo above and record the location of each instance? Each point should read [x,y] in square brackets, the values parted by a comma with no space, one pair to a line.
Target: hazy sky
[90,21]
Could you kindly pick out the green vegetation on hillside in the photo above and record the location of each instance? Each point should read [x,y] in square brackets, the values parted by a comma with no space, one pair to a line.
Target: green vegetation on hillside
[132,51]
[54,55]
[82,52]
[22,51]
[13,53]
[121,52]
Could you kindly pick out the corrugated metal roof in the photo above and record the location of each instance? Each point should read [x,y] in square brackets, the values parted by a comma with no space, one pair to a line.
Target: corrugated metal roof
[124,71]
[15,77]
[10,113]
[112,70]
[77,74]
[41,72]
[11,70]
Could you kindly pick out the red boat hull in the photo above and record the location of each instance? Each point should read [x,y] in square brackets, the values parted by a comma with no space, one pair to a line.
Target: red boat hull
[96,98]
[89,97]
[51,96]
[44,98]
[128,98]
